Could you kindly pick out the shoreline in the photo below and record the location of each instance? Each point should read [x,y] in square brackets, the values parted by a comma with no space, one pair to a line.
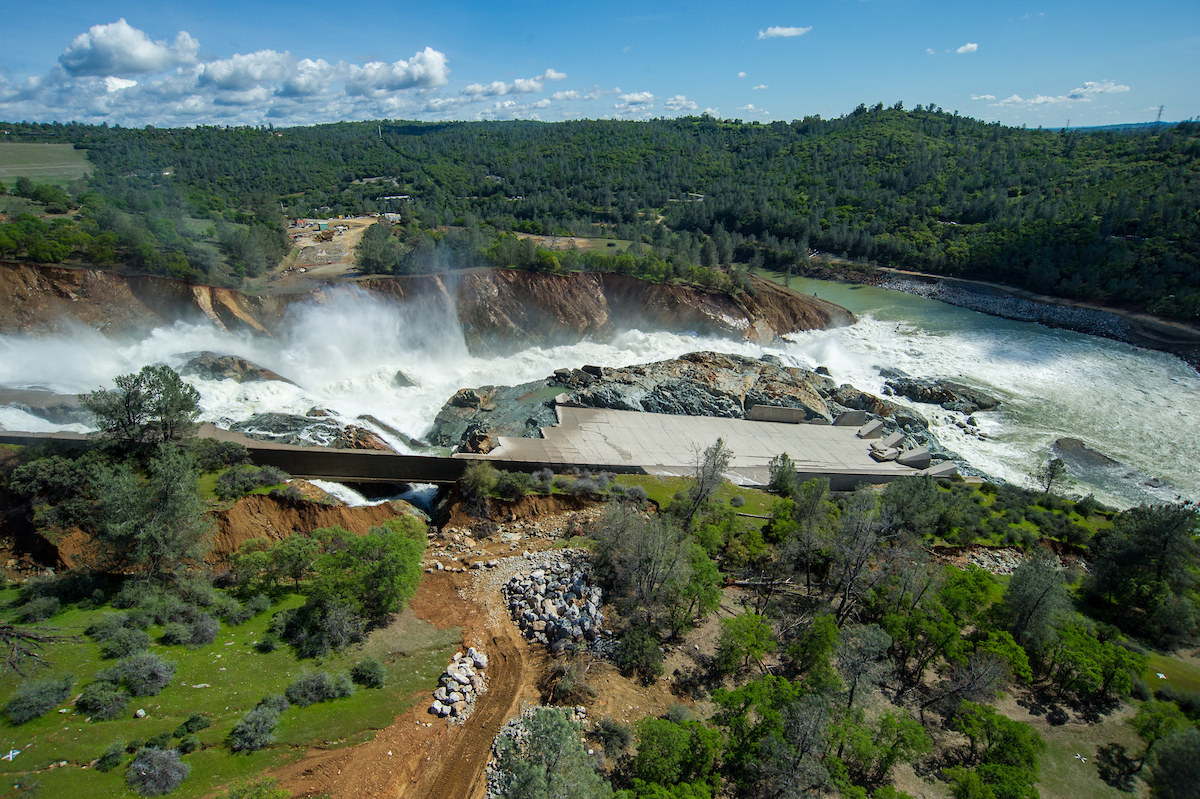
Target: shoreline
[1008,302]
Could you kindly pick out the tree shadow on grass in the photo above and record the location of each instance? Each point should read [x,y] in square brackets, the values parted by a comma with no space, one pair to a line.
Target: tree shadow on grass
[1116,768]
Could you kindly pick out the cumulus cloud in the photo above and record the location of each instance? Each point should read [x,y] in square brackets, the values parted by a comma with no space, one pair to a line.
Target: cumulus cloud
[680,103]
[1084,94]
[244,72]
[748,107]
[741,74]
[116,84]
[425,70]
[983,97]
[638,98]
[121,50]
[931,51]
[761,86]
[520,86]
[567,95]
[969,47]
[779,32]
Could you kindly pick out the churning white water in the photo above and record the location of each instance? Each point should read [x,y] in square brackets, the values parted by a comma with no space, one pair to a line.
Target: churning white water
[343,355]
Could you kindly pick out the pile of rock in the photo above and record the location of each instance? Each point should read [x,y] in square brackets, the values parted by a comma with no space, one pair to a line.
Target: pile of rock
[555,605]
[461,685]
[997,560]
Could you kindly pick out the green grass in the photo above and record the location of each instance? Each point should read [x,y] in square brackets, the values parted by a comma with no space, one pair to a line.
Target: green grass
[1064,777]
[662,491]
[1180,674]
[42,163]
[413,652]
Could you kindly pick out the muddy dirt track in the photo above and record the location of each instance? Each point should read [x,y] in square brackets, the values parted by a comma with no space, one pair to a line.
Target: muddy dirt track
[410,760]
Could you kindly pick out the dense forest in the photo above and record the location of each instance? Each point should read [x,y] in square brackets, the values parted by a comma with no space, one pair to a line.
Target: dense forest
[1107,216]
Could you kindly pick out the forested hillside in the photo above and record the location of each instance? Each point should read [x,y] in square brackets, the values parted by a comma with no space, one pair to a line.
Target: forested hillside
[1107,216]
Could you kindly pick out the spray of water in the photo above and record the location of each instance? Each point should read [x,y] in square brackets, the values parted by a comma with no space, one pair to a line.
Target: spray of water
[343,353]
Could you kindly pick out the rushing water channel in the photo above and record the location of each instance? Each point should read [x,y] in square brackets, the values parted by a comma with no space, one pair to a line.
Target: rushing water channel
[1137,406]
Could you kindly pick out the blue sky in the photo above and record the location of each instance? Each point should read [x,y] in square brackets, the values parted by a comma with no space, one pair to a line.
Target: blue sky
[219,62]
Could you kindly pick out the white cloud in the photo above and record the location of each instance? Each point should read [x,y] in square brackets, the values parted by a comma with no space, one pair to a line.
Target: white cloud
[568,95]
[308,78]
[983,97]
[969,47]
[542,103]
[748,107]
[119,49]
[243,72]
[425,70]
[1084,94]
[712,112]
[777,32]
[741,74]
[680,103]
[637,98]
[116,84]
[519,86]
[930,50]
[761,86]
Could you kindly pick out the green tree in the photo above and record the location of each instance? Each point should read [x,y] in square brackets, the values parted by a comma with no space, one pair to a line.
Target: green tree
[784,480]
[708,473]
[1155,721]
[377,251]
[1051,472]
[861,649]
[154,406]
[1175,770]
[550,762]
[375,573]
[158,524]
[670,752]
[1036,598]
[742,639]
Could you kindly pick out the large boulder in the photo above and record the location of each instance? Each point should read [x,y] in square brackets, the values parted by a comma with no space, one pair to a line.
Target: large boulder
[212,366]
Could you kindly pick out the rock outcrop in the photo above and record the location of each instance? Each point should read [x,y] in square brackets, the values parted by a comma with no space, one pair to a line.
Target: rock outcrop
[315,429]
[950,395]
[697,384]
[213,366]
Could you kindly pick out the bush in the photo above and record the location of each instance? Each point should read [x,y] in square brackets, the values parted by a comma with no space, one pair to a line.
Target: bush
[123,643]
[258,603]
[134,746]
[543,480]
[103,701]
[514,485]
[737,501]
[113,756]
[478,480]
[194,723]
[616,737]
[239,616]
[155,772]
[259,788]
[35,698]
[146,674]
[175,633]
[268,643]
[369,673]
[38,609]
[277,702]
[212,455]
[1188,701]
[241,480]
[638,653]
[160,741]
[319,686]
[636,495]
[204,630]
[255,731]
[188,744]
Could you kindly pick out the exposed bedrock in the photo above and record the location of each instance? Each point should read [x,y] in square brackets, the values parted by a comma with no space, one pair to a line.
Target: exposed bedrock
[697,384]
[950,395]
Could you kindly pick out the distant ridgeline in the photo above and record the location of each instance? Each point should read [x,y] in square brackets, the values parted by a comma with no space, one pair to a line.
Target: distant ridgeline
[1112,216]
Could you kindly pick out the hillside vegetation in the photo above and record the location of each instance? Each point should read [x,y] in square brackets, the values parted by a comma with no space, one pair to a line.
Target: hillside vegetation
[1106,215]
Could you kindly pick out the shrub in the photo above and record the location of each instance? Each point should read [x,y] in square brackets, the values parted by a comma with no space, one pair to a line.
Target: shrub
[638,653]
[113,756]
[737,501]
[37,697]
[258,604]
[194,723]
[1139,690]
[277,702]
[146,674]
[616,737]
[636,495]
[238,616]
[204,630]
[268,643]
[255,731]
[368,673]
[319,686]
[514,485]
[104,627]
[543,480]
[155,772]
[188,744]
[123,643]
[160,741]
[103,701]
[175,633]
[38,609]
[212,455]
[478,480]
[259,788]
[241,480]
[134,746]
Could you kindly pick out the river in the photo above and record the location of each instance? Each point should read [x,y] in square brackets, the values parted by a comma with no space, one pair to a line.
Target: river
[1137,406]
